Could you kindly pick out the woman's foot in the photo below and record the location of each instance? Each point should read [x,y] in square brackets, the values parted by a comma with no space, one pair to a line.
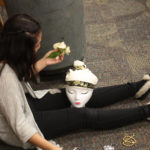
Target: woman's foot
[144,90]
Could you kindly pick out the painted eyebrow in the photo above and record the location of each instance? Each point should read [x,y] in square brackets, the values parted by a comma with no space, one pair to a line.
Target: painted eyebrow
[85,92]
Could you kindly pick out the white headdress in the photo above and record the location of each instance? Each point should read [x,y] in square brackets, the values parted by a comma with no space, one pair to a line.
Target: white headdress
[80,75]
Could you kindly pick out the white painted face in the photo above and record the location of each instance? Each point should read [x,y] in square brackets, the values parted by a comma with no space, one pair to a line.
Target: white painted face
[78,96]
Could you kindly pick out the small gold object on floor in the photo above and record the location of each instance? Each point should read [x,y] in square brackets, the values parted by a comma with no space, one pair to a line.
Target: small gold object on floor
[129,140]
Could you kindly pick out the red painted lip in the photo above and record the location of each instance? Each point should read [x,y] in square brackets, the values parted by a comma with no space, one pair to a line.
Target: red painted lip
[78,103]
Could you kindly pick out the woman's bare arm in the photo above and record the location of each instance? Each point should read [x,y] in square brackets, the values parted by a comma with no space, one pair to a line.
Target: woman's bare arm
[39,141]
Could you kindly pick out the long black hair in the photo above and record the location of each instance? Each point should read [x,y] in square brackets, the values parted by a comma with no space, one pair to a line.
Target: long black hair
[17,44]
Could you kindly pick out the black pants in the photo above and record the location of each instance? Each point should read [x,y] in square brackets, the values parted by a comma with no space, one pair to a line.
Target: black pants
[55,117]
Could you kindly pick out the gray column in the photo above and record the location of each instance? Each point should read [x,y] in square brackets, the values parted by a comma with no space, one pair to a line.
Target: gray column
[61,20]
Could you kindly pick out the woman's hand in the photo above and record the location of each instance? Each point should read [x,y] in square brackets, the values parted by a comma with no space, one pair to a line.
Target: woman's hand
[51,61]
[45,61]
[42,143]
[56,148]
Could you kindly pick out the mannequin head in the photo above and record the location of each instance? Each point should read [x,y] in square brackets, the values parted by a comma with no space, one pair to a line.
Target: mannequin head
[78,96]
[80,84]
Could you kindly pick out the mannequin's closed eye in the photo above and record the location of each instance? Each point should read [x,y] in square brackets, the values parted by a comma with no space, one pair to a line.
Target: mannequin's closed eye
[84,92]
[70,92]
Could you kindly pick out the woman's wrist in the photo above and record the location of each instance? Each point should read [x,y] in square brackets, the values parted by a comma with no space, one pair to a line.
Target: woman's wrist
[40,65]
[39,141]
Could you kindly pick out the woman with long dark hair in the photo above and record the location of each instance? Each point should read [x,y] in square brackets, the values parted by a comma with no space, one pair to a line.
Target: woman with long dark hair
[27,122]
[19,41]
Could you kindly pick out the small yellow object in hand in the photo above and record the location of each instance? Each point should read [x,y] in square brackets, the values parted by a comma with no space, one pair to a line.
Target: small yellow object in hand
[61,47]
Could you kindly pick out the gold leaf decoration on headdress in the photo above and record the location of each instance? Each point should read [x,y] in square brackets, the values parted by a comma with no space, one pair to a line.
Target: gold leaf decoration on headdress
[80,84]
[76,82]
[79,67]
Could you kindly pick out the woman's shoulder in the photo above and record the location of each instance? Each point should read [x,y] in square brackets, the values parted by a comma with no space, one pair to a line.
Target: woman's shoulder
[8,80]
[7,72]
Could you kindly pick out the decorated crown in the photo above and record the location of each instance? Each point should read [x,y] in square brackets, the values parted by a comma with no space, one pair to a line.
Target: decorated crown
[81,76]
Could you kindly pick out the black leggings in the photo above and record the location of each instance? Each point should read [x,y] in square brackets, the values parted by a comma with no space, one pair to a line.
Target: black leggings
[55,117]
